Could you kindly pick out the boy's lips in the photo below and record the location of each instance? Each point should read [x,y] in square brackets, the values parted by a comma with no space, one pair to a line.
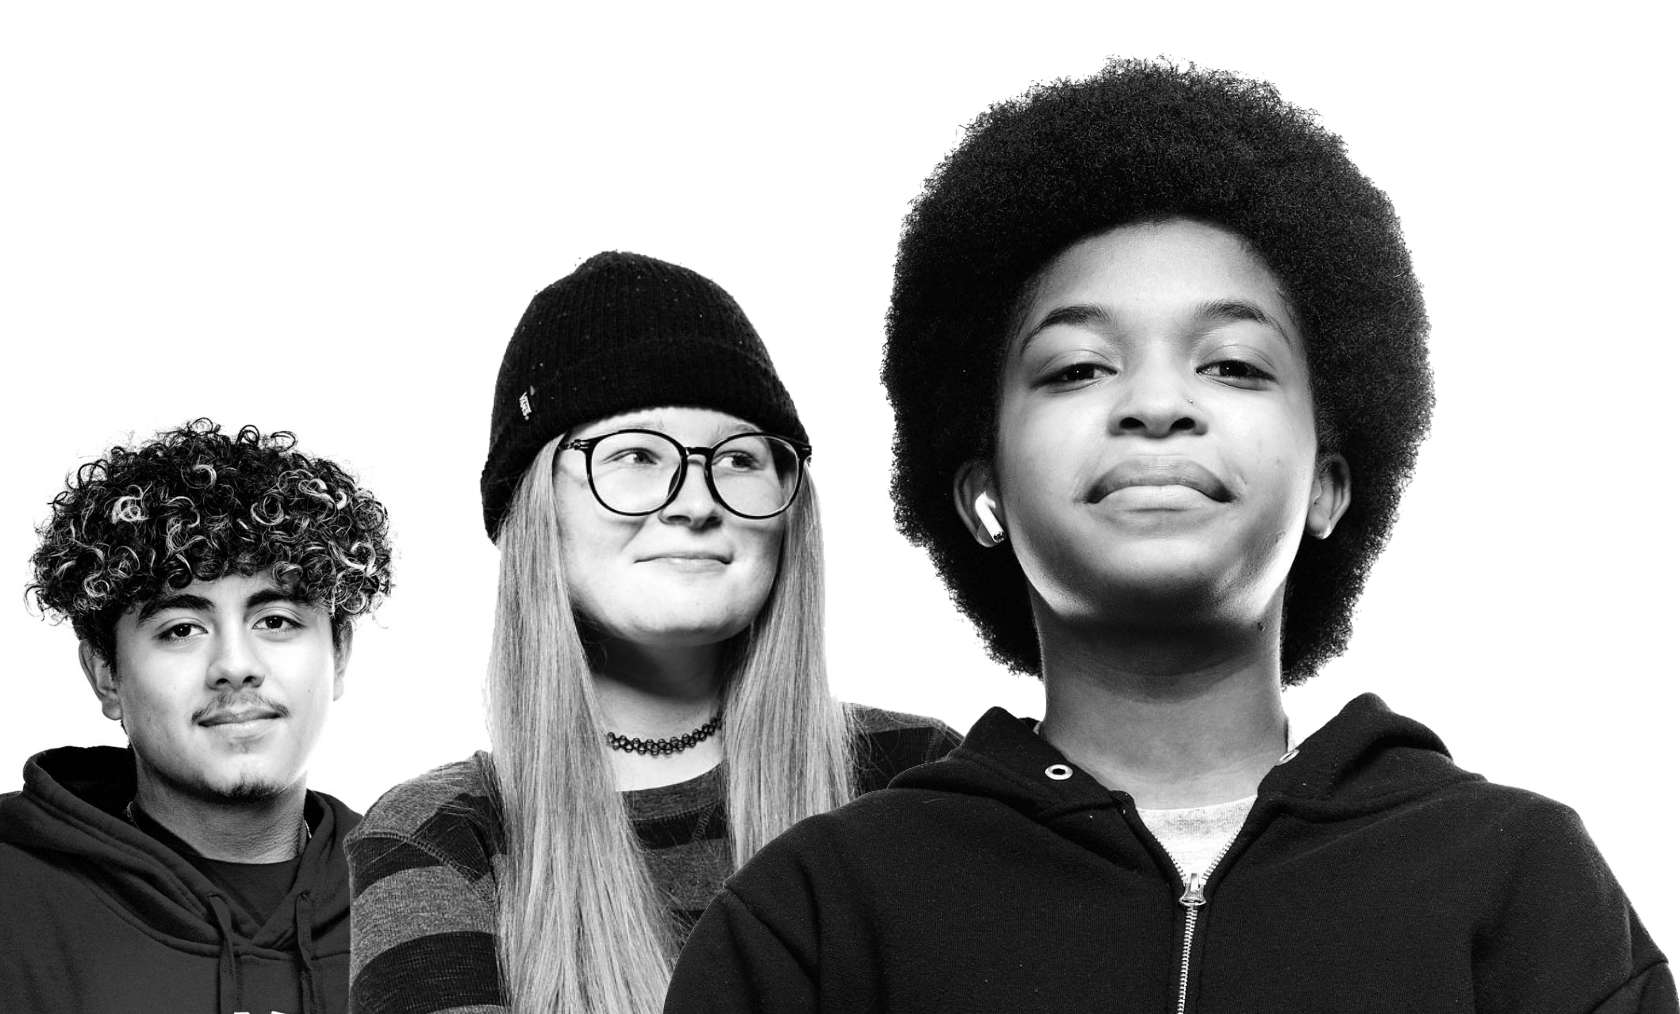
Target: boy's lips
[237,714]
[1160,472]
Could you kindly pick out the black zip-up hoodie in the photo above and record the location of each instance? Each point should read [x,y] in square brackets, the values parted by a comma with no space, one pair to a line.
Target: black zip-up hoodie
[96,916]
[1371,875]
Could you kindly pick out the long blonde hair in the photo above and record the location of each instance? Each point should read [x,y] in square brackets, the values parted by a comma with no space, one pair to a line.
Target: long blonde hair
[581,927]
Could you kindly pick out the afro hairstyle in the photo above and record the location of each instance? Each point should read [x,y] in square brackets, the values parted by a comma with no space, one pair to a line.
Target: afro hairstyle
[1149,141]
[196,503]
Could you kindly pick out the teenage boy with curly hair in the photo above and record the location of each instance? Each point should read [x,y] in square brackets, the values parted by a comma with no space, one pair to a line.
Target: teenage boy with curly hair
[1161,343]
[212,581]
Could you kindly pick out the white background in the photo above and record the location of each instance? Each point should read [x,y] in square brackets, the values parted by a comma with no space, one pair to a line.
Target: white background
[328,218]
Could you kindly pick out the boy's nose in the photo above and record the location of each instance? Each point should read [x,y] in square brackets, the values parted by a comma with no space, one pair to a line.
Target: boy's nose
[1155,400]
[235,664]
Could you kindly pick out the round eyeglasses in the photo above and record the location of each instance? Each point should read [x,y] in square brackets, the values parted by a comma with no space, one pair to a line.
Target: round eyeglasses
[638,472]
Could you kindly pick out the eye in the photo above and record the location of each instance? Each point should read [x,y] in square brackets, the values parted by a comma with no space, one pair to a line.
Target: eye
[1237,373]
[632,456]
[276,622]
[739,461]
[177,631]
[1075,374]
[632,450]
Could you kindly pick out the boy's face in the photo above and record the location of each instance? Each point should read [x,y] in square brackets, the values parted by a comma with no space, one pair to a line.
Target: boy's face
[222,686]
[1156,451]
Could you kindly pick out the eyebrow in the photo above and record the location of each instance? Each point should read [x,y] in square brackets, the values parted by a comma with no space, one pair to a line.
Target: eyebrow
[1230,310]
[198,603]
[179,600]
[1075,315]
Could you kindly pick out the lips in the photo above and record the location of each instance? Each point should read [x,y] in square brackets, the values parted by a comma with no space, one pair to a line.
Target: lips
[1160,472]
[238,713]
[687,555]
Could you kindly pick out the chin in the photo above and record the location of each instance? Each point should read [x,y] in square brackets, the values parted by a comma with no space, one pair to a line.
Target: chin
[1165,586]
[244,788]
[688,635]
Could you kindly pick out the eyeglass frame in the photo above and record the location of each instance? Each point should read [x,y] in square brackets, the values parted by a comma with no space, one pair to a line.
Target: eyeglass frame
[802,456]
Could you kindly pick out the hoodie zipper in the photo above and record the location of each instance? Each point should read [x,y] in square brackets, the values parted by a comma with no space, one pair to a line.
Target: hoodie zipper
[1193,899]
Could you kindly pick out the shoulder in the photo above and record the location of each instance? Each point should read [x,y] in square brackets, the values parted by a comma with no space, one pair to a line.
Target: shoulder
[449,815]
[885,743]
[463,789]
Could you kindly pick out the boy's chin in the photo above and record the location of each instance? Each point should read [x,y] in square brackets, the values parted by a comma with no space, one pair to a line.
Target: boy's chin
[1164,597]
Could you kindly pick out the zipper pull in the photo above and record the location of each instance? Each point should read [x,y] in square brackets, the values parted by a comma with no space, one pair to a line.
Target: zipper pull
[1192,896]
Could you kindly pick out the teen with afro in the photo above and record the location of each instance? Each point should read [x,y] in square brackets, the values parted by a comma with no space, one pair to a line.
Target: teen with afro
[1157,356]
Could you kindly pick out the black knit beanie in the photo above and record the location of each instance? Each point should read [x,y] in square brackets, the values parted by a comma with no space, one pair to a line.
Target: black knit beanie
[624,332]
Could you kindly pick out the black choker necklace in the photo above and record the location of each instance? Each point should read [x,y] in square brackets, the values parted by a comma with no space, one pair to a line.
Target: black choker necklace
[670,744]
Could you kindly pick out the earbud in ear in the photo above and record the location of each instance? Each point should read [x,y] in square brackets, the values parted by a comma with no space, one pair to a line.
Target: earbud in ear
[987,513]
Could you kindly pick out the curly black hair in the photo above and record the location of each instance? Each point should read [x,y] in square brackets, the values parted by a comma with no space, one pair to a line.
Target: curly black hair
[196,503]
[1148,141]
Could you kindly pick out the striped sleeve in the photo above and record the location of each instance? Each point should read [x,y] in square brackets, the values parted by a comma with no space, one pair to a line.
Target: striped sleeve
[887,743]
[423,908]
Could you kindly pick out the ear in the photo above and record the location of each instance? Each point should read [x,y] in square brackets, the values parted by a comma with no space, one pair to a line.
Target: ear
[102,677]
[1332,491]
[341,659]
[976,499]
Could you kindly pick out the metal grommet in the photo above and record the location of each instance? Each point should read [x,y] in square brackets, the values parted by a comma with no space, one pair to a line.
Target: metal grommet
[1060,772]
[1286,758]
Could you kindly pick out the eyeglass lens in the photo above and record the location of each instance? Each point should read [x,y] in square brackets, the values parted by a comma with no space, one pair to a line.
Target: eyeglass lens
[753,474]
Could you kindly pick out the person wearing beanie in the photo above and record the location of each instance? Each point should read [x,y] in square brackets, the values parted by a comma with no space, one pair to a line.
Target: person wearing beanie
[213,580]
[1195,385]
[658,704]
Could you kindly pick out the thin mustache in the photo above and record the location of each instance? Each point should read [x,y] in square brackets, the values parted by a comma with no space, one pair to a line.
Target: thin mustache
[233,703]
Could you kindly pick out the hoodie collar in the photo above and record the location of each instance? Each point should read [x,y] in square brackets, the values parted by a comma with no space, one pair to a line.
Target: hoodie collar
[1365,758]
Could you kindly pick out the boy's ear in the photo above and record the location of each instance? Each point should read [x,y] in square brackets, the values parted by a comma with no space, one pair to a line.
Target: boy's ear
[976,499]
[102,677]
[1332,491]
[341,659]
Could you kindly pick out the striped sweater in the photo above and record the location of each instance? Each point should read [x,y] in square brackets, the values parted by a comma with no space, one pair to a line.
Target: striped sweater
[426,860]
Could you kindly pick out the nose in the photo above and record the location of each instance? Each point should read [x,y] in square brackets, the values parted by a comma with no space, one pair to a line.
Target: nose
[693,505]
[235,663]
[1156,399]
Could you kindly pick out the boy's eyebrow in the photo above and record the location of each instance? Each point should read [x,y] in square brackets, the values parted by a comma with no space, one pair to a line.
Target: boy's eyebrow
[1077,314]
[1227,310]
[275,594]
[177,600]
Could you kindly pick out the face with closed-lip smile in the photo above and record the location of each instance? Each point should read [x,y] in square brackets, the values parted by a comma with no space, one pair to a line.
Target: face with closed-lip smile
[222,686]
[687,575]
[1156,450]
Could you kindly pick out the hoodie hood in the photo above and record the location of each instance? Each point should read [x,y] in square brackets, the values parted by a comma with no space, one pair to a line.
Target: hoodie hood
[1365,759]
[71,809]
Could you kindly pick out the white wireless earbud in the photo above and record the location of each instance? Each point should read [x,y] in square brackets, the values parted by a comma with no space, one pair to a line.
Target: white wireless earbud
[987,513]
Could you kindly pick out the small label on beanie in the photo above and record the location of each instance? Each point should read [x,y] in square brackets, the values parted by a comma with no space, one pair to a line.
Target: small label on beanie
[525,402]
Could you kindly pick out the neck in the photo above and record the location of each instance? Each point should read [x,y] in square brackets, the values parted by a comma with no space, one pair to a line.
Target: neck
[261,831]
[654,693]
[1188,717]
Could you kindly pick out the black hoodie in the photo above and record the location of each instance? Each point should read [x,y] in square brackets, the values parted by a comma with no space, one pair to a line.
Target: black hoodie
[97,916]
[1371,875]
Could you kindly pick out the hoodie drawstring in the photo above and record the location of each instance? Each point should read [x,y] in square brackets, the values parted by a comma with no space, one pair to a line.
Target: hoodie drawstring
[227,981]
[303,915]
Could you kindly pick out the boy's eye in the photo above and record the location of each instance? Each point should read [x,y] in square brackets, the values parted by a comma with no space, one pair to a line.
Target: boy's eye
[1075,373]
[1236,372]
[177,631]
[277,622]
